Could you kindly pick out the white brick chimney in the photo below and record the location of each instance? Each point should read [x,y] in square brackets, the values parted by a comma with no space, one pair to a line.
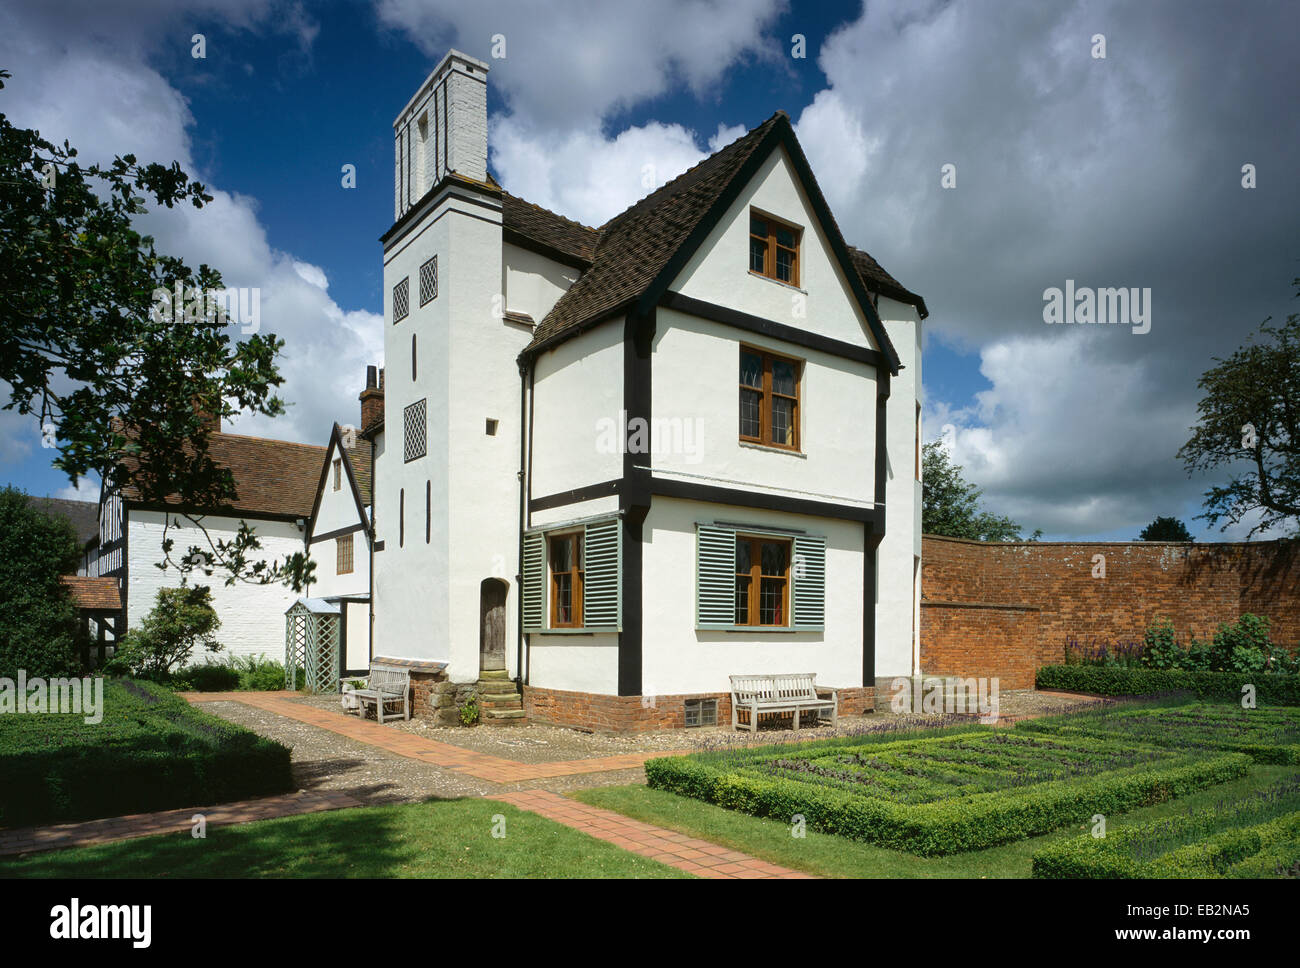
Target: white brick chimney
[442,129]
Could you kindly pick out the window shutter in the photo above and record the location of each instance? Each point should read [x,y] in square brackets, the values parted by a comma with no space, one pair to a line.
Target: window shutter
[534,573]
[602,557]
[715,577]
[809,573]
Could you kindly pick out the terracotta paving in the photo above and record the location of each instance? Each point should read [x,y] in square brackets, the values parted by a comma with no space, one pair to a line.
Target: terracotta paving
[698,857]
[23,840]
[484,766]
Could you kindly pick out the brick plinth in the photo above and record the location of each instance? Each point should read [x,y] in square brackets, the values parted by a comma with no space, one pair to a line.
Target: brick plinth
[637,714]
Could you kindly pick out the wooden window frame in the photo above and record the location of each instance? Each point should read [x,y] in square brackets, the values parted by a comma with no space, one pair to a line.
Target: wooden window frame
[338,473]
[770,247]
[764,437]
[576,575]
[344,555]
[756,576]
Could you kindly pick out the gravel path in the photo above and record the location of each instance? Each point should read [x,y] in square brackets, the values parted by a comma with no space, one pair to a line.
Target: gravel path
[323,760]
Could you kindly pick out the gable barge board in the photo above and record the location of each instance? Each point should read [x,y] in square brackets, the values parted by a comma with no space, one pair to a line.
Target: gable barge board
[774,330]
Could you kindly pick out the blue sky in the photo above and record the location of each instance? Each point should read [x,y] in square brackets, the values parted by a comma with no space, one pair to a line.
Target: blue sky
[1120,171]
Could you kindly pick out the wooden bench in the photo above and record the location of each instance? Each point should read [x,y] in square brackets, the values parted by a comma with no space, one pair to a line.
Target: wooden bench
[386,685]
[794,692]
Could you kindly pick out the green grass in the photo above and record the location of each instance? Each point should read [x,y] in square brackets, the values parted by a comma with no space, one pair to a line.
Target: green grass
[829,855]
[438,838]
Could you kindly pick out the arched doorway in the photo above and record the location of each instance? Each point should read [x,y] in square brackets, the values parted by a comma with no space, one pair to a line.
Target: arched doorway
[492,625]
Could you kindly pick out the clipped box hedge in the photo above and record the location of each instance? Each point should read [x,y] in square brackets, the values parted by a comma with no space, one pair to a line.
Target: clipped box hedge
[1253,850]
[955,825]
[1282,690]
[152,751]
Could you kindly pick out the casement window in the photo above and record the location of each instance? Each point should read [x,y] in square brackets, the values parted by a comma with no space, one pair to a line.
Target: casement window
[415,435]
[769,399]
[774,248]
[412,357]
[747,579]
[564,555]
[401,517]
[572,577]
[338,473]
[343,555]
[429,281]
[401,300]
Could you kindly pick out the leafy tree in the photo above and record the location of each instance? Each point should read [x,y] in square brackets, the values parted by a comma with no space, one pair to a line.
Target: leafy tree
[950,504]
[117,350]
[1165,529]
[182,620]
[38,623]
[1249,426]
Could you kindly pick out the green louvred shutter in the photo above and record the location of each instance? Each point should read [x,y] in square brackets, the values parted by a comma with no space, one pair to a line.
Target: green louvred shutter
[809,583]
[533,575]
[602,558]
[715,577]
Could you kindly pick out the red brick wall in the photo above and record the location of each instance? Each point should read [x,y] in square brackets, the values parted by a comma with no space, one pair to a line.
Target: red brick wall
[634,714]
[1197,586]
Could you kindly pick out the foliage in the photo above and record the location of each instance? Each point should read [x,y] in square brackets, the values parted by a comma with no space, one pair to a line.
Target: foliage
[469,713]
[152,751]
[181,621]
[966,790]
[1230,839]
[38,622]
[116,376]
[1160,646]
[950,505]
[1240,647]
[1165,529]
[1274,689]
[1249,427]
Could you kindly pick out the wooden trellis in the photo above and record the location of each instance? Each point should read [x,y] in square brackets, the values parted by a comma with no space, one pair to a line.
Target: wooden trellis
[311,643]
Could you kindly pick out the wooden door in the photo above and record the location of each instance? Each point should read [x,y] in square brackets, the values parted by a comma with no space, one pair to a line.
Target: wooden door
[492,625]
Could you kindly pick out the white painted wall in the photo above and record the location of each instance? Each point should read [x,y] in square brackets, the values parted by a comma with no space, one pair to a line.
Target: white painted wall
[580,663]
[531,282]
[679,659]
[897,623]
[695,375]
[252,616]
[719,270]
[576,386]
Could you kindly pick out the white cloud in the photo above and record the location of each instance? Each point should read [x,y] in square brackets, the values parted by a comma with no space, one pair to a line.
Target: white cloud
[106,100]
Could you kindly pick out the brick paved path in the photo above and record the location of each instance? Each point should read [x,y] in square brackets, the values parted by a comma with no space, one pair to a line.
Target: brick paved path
[669,847]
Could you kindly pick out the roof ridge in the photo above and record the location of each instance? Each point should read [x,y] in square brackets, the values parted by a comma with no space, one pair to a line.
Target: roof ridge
[263,440]
[694,168]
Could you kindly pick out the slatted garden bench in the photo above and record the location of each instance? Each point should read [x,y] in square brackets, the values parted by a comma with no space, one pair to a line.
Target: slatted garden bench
[794,692]
[387,685]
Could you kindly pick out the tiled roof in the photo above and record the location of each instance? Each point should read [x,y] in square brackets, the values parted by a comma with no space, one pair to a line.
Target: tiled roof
[93,593]
[876,279]
[359,458]
[568,238]
[82,515]
[634,246]
[273,478]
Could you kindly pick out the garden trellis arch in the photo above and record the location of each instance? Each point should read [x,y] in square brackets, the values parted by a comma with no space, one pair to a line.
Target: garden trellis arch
[311,643]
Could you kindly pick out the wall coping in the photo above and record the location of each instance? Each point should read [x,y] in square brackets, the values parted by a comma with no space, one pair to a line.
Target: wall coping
[1273,542]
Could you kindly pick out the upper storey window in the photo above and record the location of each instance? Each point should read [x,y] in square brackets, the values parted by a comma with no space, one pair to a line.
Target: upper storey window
[769,399]
[774,248]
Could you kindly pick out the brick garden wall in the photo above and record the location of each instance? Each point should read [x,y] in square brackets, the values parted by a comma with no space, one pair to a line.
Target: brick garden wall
[1004,609]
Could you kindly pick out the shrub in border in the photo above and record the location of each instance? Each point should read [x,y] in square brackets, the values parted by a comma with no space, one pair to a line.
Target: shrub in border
[1283,690]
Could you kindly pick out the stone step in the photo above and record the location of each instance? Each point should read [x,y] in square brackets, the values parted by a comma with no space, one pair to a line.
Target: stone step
[492,688]
[494,674]
[505,702]
[500,723]
[503,714]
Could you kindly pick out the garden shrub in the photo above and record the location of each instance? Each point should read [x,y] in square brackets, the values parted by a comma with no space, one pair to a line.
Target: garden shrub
[207,677]
[768,781]
[1272,689]
[1254,836]
[152,751]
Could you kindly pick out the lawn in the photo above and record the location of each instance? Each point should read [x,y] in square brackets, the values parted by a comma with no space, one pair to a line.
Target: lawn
[829,855]
[151,751]
[435,839]
[943,792]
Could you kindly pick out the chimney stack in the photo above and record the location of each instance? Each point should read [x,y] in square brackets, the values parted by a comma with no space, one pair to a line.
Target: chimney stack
[372,399]
[442,129]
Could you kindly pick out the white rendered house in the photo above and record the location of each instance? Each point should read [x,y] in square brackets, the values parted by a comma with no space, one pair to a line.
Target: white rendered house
[626,462]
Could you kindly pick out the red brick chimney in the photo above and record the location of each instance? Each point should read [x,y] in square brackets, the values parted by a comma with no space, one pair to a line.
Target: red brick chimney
[372,398]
